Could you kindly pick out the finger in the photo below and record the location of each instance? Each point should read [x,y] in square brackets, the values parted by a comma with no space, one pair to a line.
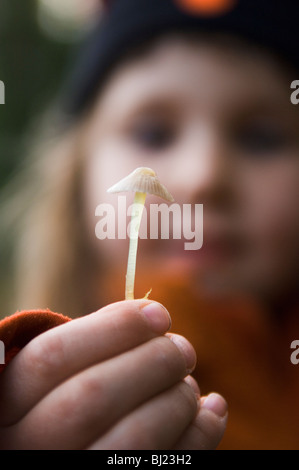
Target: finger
[193,384]
[206,431]
[58,354]
[84,406]
[156,425]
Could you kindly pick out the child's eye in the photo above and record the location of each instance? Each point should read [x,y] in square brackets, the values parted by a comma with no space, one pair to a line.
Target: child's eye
[153,135]
[262,141]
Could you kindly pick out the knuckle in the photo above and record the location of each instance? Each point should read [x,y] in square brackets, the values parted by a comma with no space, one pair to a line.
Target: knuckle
[167,355]
[187,398]
[83,391]
[91,387]
[45,354]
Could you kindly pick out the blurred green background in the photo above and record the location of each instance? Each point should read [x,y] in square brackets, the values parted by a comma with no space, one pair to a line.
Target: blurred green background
[37,38]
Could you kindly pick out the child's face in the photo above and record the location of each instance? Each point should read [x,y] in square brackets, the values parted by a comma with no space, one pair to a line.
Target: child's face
[217,126]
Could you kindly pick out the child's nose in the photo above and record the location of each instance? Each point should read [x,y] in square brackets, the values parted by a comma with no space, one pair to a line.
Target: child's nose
[204,171]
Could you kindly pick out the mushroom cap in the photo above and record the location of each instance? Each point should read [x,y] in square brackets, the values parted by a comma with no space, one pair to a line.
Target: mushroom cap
[142,180]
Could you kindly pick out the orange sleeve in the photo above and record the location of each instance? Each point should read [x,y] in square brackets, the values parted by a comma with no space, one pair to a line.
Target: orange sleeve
[17,330]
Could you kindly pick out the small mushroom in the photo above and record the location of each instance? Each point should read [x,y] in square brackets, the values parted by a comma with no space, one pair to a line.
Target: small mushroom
[142,181]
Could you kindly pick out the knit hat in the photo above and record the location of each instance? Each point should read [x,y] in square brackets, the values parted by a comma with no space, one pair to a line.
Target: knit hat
[268,23]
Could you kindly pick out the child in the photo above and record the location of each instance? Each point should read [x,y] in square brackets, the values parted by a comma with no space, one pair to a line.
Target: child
[203,99]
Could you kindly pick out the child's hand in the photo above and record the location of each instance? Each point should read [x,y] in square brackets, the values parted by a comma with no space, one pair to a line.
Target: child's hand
[109,380]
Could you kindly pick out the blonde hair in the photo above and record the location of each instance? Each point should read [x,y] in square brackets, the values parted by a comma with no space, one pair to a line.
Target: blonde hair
[46,261]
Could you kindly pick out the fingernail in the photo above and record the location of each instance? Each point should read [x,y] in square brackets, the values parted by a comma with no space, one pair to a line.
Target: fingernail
[157,316]
[187,351]
[216,404]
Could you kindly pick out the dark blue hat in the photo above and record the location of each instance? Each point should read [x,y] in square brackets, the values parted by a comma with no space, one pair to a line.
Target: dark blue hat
[268,23]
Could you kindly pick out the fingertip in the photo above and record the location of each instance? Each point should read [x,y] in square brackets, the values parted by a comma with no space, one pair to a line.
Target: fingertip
[157,316]
[215,403]
[186,349]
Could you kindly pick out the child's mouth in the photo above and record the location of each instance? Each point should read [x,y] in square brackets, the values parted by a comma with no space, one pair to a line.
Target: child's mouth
[216,251]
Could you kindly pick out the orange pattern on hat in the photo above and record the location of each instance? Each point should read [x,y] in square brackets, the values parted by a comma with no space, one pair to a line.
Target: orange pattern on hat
[207,7]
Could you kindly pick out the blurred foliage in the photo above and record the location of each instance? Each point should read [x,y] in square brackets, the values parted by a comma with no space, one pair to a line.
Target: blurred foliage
[31,67]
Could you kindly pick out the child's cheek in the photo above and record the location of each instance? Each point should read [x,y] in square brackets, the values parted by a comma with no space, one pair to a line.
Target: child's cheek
[272,218]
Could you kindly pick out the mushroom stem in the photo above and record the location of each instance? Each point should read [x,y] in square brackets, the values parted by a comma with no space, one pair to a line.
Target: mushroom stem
[137,211]
[142,181]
